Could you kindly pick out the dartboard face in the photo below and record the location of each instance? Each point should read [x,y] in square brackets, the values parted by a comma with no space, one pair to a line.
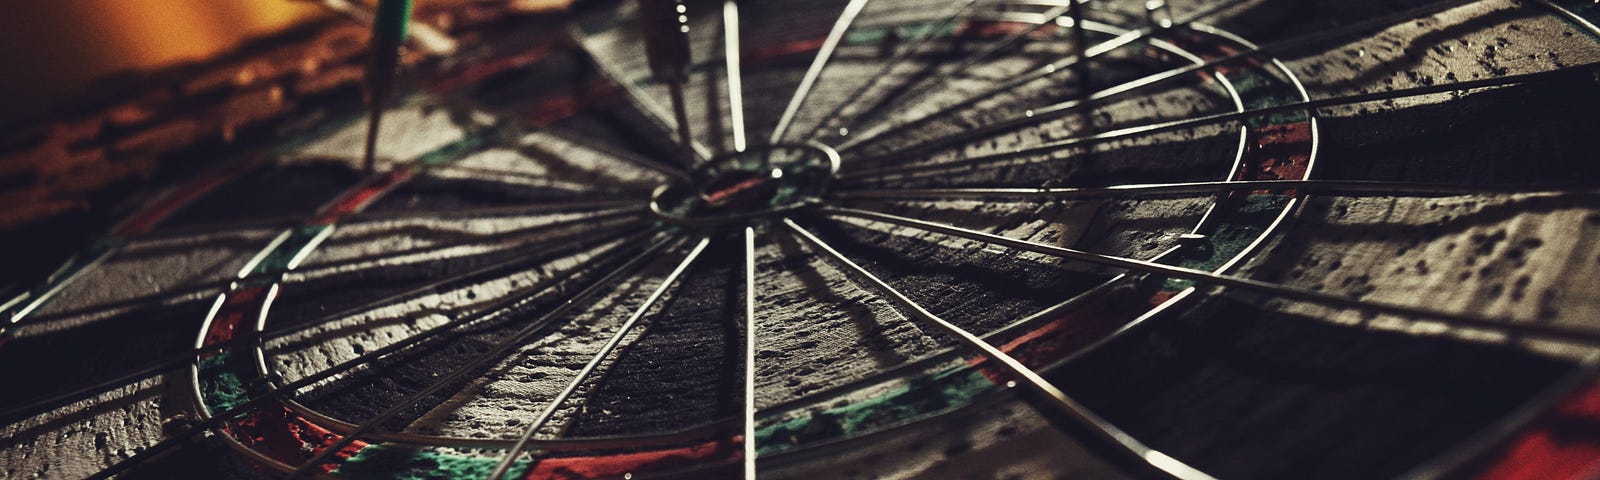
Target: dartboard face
[908,239]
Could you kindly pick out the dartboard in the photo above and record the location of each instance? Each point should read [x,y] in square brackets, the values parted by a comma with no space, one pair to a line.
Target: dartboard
[906,239]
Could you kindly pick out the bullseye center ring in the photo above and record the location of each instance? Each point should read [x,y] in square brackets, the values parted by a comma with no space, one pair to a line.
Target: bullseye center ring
[742,186]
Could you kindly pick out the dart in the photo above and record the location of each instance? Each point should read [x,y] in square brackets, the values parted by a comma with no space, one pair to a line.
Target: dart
[389,29]
[666,44]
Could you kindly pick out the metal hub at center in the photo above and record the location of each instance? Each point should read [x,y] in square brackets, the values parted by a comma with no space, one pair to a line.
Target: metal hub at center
[741,186]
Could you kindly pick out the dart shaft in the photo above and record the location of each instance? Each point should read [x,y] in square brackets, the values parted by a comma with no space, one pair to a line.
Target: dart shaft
[390,27]
[664,24]
[680,114]
[393,20]
[666,39]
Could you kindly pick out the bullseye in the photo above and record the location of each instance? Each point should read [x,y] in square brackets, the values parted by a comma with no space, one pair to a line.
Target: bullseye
[743,186]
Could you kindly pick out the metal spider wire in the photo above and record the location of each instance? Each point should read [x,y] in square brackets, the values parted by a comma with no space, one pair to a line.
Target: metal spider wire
[1109,433]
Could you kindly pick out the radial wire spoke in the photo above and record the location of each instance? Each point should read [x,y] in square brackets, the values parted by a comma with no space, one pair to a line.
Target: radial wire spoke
[1524,78]
[1069,63]
[1103,430]
[524,235]
[1160,78]
[611,153]
[594,361]
[824,53]
[499,350]
[219,418]
[749,404]
[931,85]
[653,111]
[657,114]
[492,211]
[1333,187]
[899,57]
[730,55]
[161,297]
[1008,42]
[249,339]
[1509,325]
[285,221]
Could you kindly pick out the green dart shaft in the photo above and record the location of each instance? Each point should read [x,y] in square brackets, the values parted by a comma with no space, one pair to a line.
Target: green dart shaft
[393,21]
[390,26]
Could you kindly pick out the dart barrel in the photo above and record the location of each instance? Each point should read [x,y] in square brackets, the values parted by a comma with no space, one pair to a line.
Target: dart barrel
[666,34]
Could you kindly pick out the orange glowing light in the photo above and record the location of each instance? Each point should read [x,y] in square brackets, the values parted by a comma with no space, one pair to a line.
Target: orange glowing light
[152,33]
